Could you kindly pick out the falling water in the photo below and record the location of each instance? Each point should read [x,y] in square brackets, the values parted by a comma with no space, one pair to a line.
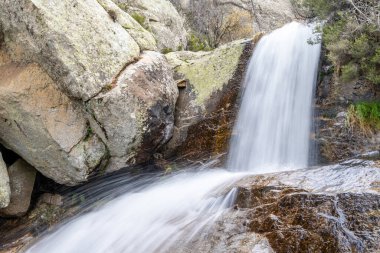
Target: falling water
[273,128]
[167,215]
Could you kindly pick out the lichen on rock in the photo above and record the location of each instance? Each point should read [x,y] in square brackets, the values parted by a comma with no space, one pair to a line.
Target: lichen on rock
[136,114]
[208,102]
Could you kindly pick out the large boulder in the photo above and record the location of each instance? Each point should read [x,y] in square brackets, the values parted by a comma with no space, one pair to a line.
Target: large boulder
[161,18]
[208,100]
[74,89]
[144,39]
[5,191]
[44,126]
[77,43]
[135,116]
[22,177]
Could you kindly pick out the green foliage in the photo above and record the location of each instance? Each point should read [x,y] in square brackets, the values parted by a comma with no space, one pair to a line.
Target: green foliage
[139,18]
[196,44]
[366,115]
[372,67]
[349,72]
[360,47]
[352,46]
[166,50]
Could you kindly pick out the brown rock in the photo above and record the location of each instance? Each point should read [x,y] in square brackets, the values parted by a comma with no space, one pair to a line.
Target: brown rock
[208,104]
[22,177]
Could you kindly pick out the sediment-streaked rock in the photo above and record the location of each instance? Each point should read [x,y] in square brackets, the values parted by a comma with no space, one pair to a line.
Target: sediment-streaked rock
[328,209]
[207,104]
[76,42]
[135,116]
[45,127]
[5,190]
[22,177]
[162,19]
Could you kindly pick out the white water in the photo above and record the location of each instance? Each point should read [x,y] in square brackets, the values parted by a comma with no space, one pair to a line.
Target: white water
[273,128]
[167,215]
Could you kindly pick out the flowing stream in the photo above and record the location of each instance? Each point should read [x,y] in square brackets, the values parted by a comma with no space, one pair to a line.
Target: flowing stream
[272,134]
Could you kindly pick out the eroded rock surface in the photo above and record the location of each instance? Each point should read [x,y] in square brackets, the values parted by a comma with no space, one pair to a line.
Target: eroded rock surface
[207,103]
[328,209]
[136,114]
[161,18]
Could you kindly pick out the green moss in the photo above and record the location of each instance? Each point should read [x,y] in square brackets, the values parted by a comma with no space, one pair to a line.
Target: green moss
[139,18]
[212,71]
[166,50]
[196,43]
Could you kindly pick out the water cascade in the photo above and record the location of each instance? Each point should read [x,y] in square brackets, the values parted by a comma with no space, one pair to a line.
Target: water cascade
[273,128]
[273,131]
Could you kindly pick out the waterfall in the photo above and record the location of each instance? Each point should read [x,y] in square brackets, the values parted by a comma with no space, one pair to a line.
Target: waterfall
[274,122]
[168,215]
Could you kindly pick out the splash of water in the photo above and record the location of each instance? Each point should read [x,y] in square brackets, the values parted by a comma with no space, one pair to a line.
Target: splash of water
[273,128]
[167,215]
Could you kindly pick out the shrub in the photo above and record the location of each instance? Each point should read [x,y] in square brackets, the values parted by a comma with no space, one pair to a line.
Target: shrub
[349,72]
[197,43]
[166,50]
[366,115]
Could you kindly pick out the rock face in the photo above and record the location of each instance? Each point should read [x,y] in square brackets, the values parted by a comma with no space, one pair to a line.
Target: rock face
[161,18]
[272,14]
[5,190]
[268,14]
[22,177]
[327,209]
[336,140]
[144,39]
[75,90]
[44,126]
[207,105]
[137,112]
[77,43]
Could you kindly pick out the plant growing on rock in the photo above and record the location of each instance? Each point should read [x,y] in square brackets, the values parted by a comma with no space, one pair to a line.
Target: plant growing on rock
[351,35]
[365,115]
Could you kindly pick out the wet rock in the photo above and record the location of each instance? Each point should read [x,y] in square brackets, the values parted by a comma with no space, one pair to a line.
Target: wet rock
[19,233]
[328,209]
[52,199]
[44,126]
[22,177]
[77,43]
[335,138]
[5,190]
[161,18]
[137,113]
[208,104]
